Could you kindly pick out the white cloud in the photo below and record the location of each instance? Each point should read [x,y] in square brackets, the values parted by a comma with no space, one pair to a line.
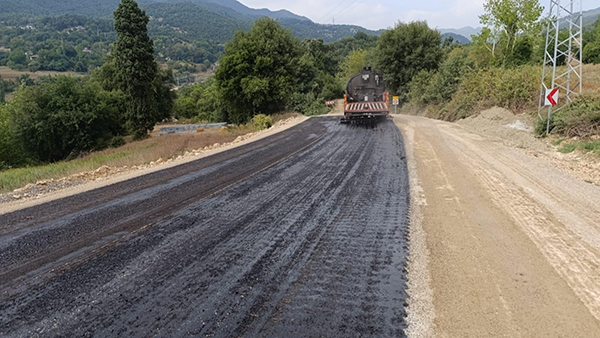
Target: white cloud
[376,14]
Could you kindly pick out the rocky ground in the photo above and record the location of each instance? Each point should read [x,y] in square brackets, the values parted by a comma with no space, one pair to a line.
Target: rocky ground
[517,131]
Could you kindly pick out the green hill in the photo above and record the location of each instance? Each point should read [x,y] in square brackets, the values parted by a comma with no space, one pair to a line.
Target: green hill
[59,7]
[75,34]
[456,38]
[215,20]
[191,22]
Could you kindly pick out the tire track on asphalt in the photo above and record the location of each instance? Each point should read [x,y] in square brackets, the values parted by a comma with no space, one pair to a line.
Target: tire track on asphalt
[331,220]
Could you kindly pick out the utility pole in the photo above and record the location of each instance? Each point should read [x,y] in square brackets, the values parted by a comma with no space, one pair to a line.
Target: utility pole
[563,63]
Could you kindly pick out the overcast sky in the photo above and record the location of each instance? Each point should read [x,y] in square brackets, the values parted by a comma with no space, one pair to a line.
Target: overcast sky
[376,14]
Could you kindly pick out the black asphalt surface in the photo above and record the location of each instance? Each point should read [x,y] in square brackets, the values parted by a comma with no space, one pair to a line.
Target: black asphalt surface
[302,234]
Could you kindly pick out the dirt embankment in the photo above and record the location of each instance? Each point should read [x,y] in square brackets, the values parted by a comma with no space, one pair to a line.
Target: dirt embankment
[512,237]
[51,189]
[517,131]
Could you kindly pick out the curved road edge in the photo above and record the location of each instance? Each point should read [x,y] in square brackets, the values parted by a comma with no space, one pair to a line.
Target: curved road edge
[420,310]
[92,185]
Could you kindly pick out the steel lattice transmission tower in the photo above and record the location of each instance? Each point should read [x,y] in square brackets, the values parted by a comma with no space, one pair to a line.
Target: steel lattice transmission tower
[563,64]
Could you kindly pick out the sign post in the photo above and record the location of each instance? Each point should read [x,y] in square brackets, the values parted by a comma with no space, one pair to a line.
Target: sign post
[551,100]
[396,102]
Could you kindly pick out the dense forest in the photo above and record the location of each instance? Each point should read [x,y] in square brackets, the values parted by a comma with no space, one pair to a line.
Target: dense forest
[77,36]
[64,43]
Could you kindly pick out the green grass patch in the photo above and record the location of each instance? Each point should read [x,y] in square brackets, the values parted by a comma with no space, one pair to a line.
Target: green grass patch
[18,178]
[584,146]
[590,146]
[568,148]
[580,118]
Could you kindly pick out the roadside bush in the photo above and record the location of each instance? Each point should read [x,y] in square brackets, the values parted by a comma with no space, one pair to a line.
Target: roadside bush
[581,118]
[332,88]
[419,88]
[262,121]
[12,153]
[185,108]
[438,87]
[541,126]
[199,102]
[515,89]
[307,104]
[117,141]
[63,117]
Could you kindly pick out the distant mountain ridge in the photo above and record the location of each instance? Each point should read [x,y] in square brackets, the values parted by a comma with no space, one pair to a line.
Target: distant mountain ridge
[589,18]
[465,31]
[223,17]
[242,9]
[456,38]
[95,8]
[215,20]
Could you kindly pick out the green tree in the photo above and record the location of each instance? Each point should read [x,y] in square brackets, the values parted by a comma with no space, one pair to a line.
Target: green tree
[258,72]
[135,68]
[591,44]
[323,55]
[17,59]
[2,90]
[439,87]
[484,49]
[352,65]
[511,20]
[360,40]
[12,153]
[63,117]
[406,50]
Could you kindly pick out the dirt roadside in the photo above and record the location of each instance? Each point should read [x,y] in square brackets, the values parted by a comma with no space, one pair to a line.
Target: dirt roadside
[36,194]
[512,242]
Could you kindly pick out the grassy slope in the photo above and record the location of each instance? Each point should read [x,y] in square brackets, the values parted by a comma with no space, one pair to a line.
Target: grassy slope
[131,154]
[591,87]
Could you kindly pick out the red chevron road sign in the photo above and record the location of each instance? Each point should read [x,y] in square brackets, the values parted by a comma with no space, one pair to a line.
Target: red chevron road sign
[552,97]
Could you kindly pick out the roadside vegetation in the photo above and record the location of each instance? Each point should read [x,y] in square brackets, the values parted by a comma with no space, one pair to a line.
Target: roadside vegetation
[63,117]
[135,153]
[266,70]
[501,67]
[52,119]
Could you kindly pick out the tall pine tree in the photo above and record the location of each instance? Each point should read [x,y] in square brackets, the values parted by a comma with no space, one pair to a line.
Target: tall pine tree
[2,90]
[136,70]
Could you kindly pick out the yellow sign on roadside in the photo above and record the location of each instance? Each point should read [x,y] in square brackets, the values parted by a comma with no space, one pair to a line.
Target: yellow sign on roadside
[396,100]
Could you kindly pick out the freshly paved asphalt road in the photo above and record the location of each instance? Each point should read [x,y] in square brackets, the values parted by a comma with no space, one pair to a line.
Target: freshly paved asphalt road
[300,234]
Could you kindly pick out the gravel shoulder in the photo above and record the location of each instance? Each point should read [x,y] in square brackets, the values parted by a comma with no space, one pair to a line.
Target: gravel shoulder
[512,240]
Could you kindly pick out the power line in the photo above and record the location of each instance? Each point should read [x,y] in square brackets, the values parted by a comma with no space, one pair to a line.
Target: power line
[334,8]
[349,9]
[337,14]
